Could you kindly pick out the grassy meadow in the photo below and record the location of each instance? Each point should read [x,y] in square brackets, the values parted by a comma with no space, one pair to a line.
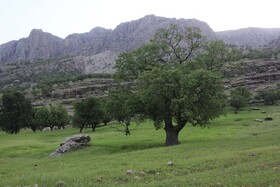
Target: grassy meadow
[233,150]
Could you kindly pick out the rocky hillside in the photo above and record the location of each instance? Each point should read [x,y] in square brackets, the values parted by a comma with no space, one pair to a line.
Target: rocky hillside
[126,36]
[253,37]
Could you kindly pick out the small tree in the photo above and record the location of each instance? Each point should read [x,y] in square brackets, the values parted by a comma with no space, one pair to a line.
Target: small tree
[123,105]
[43,118]
[239,97]
[88,112]
[106,114]
[16,112]
[59,116]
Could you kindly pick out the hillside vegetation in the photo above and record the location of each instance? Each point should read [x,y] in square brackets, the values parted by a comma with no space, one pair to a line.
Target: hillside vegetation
[233,150]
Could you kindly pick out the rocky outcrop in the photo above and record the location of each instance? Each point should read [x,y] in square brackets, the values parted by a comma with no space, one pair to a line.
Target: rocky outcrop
[131,35]
[101,63]
[87,44]
[95,87]
[72,143]
[254,74]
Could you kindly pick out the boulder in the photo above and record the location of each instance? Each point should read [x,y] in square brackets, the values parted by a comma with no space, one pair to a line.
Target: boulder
[72,143]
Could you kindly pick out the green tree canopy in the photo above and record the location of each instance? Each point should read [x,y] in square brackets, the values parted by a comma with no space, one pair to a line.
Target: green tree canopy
[239,97]
[168,88]
[123,105]
[59,116]
[43,118]
[16,112]
[88,112]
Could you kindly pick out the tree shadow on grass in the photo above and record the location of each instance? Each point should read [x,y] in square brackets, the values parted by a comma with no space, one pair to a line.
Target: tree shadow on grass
[121,148]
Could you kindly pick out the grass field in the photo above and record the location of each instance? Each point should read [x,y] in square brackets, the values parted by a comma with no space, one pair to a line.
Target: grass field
[233,150]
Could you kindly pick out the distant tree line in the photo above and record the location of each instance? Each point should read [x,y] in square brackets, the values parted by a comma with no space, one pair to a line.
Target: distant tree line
[16,113]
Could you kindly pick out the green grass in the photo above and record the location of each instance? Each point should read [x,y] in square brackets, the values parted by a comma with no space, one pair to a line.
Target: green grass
[233,150]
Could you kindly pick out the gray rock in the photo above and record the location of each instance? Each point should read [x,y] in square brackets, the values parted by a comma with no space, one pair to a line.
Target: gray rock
[129,172]
[170,163]
[46,129]
[72,143]
[60,184]
[258,120]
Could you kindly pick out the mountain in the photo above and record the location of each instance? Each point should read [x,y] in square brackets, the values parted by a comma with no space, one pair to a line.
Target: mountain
[38,45]
[253,37]
[125,37]
[100,45]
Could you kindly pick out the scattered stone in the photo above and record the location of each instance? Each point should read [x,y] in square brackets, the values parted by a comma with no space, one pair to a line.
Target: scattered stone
[151,171]
[263,112]
[142,173]
[258,120]
[72,143]
[99,179]
[60,184]
[268,119]
[170,163]
[46,129]
[275,168]
[137,178]
[252,154]
[35,185]
[129,172]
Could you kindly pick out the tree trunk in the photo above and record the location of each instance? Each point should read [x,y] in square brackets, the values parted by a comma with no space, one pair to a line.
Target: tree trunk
[93,127]
[81,128]
[171,137]
[170,130]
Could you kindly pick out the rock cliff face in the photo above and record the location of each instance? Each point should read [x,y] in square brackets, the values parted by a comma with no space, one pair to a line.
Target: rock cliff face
[133,34]
[254,37]
[38,45]
[125,37]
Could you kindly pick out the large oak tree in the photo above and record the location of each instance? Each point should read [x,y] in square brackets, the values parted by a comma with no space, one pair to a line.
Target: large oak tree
[169,81]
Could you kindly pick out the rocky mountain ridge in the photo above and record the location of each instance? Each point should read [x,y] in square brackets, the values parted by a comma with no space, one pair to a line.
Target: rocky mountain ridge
[125,37]
[96,50]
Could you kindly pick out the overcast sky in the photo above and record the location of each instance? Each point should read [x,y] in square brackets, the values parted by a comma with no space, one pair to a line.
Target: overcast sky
[64,17]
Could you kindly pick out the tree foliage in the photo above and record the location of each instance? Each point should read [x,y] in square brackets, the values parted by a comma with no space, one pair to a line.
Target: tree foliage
[163,83]
[43,118]
[52,116]
[239,97]
[88,112]
[16,112]
[215,54]
[123,105]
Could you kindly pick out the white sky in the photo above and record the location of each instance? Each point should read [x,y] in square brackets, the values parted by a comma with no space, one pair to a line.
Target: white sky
[64,17]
